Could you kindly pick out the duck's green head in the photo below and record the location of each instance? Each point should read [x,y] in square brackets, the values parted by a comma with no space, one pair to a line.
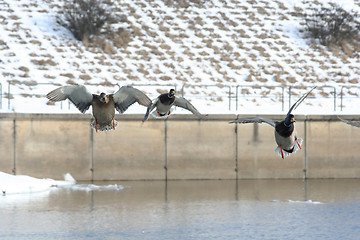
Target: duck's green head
[171,93]
[289,120]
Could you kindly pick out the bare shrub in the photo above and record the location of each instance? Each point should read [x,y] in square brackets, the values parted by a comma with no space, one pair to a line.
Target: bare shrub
[95,23]
[84,17]
[332,25]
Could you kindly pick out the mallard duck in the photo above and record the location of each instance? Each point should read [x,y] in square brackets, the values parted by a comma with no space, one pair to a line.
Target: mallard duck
[164,102]
[352,123]
[103,105]
[285,133]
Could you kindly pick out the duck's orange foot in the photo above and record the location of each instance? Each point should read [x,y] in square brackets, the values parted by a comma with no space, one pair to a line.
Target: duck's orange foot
[96,127]
[298,143]
[282,153]
[114,123]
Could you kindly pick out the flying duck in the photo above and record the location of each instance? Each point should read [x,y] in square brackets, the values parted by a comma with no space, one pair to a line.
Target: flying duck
[164,102]
[103,105]
[352,123]
[285,132]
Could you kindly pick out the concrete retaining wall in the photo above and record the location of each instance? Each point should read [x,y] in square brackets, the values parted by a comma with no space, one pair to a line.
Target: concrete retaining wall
[181,147]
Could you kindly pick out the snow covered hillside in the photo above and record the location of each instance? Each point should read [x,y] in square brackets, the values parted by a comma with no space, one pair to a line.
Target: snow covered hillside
[213,53]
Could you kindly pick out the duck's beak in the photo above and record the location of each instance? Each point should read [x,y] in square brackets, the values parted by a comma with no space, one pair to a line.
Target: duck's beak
[104,98]
[293,120]
[171,93]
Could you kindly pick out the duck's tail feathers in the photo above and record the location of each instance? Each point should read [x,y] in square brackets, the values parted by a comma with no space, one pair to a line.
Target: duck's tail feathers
[295,149]
[280,153]
[104,128]
[156,114]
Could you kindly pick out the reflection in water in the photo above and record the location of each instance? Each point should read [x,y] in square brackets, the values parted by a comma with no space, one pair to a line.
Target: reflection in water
[263,190]
[244,209]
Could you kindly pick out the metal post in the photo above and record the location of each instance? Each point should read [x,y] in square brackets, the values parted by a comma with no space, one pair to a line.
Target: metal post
[15,147]
[9,96]
[282,99]
[229,98]
[334,99]
[165,152]
[237,96]
[0,96]
[341,98]
[182,90]
[236,152]
[305,150]
[92,160]
[290,97]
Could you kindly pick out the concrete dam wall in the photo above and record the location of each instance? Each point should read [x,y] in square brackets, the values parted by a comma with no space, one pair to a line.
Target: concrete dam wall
[180,147]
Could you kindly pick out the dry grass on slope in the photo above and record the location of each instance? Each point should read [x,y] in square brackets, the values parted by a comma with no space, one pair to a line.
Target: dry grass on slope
[180,42]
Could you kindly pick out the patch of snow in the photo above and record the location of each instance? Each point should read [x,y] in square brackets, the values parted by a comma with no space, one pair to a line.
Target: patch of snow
[22,184]
[25,185]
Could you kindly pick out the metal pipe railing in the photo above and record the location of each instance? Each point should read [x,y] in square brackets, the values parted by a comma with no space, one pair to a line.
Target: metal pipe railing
[323,86]
[229,88]
[342,94]
[210,85]
[258,86]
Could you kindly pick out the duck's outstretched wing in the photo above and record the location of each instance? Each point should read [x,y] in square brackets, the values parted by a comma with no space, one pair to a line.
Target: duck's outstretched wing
[77,94]
[297,103]
[149,109]
[255,120]
[127,95]
[352,123]
[183,103]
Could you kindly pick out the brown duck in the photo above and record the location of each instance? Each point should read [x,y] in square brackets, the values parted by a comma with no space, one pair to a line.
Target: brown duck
[103,105]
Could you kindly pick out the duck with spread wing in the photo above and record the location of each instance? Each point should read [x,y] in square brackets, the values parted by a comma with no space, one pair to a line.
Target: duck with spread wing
[103,105]
[164,102]
[285,133]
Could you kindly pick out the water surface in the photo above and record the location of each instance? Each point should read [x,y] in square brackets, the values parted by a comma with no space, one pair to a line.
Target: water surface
[227,209]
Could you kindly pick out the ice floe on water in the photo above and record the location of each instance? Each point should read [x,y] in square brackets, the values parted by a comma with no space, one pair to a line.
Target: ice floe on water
[298,201]
[93,187]
[22,184]
[308,202]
